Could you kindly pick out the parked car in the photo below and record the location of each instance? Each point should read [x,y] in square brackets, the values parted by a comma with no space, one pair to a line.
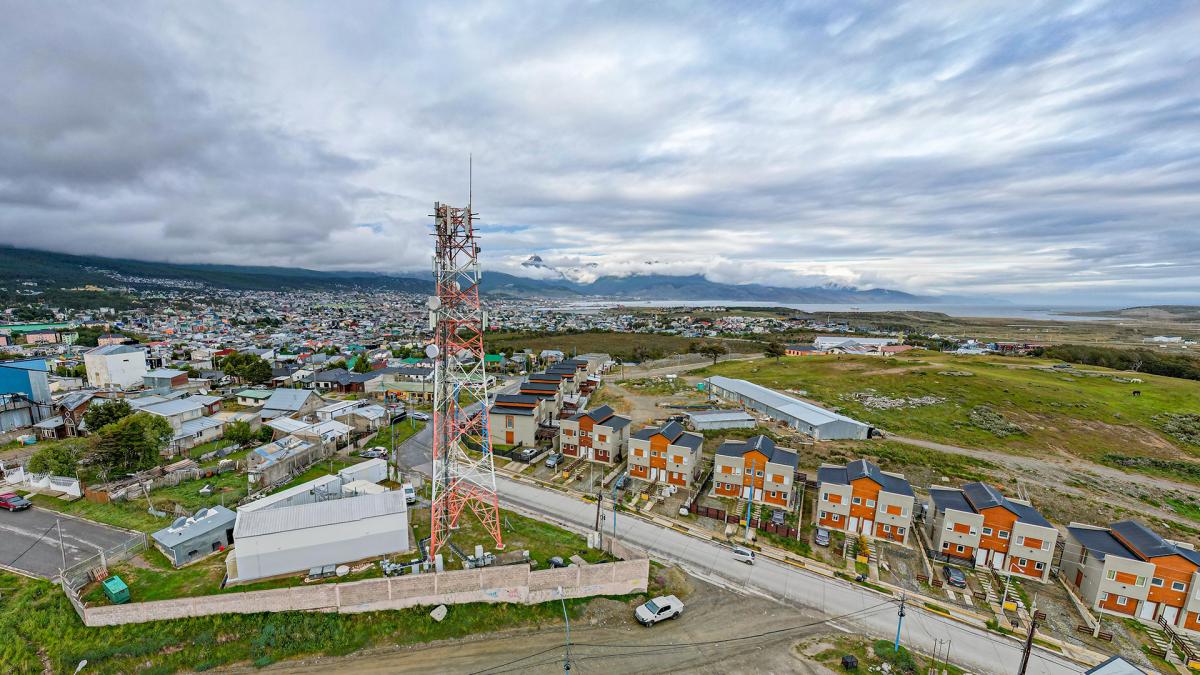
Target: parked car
[778,517]
[553,460]
[822,537]
[420,416]
[526,454]
[410,495]
[14,502]
[665,607]
[377,452]
[954,576]
[742,554]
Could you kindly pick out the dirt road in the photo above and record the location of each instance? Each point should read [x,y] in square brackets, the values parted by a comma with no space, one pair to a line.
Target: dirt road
[612,643]
[659,368]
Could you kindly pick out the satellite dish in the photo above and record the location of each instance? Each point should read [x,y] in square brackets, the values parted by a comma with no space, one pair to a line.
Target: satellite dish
[434,302]
[431,351]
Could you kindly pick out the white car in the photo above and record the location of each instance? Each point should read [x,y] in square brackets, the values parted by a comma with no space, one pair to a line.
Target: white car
[423,417]
[745,555]
[665,607]
[410,495]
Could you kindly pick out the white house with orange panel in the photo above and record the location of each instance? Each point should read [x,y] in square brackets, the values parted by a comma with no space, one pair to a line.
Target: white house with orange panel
[859,498]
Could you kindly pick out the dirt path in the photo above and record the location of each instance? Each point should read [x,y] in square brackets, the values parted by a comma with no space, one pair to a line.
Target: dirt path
[621,646]
[634,372]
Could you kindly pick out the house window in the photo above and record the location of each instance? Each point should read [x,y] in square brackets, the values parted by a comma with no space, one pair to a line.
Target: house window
[887,528]
[824,515]
[1112,574]
[1004,534]
[836,517]
[1021,562]
[1121,600]
[900,531]
[1178,586]
[1141,581]
[959,548]
[603,438]
[759,473]
[987,531]
[1156,582]
[824,496]
[857,501]
[508,421]
[1039,566]
[945,545]
[871,503]
[1104,597]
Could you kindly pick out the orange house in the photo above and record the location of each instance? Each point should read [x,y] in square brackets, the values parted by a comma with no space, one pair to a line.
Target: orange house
[755,469]
[666,453]
[599,435]
[1175,565]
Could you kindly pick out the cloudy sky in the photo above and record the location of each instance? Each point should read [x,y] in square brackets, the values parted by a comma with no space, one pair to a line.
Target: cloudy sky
[1014,149]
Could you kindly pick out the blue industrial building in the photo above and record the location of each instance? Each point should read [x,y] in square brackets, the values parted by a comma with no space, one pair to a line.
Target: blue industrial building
[28,377]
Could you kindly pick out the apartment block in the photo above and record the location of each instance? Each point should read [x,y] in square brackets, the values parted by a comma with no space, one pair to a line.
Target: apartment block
[978,523]
[667,453]
[859,498]
[598,435]
[755,469]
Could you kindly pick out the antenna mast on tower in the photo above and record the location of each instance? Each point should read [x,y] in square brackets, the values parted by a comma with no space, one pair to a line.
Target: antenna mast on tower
[460,394]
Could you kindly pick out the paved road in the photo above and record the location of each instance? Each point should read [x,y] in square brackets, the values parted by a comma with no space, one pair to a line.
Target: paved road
[29,541]
[857,608]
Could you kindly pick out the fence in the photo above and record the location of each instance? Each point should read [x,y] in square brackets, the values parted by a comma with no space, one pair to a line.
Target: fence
[511,584]
[756,523]
[84,572]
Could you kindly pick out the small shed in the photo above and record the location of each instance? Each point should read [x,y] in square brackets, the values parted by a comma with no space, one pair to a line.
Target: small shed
[116,590]
[721,419]
[373,470]
[191,538]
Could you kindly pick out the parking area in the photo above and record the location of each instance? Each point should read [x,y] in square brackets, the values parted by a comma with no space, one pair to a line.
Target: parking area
[29,541]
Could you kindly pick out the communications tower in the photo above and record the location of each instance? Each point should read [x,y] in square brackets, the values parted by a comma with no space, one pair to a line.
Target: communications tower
[464,475]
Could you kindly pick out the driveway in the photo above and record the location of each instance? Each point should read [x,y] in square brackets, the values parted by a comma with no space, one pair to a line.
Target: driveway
[29,541]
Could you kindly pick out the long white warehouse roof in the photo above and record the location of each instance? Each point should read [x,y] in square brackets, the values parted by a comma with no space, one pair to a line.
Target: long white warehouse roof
[802,410]
[319,514]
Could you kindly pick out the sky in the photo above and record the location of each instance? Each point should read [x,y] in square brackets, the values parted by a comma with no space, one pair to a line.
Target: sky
[1041,151]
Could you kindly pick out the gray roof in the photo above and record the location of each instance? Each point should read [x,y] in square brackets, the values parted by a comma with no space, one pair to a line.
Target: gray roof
[174,407]
[214,518]
[319,514]
[75,399]
[760,443]
[1116,665]
[108,350]
[984,496]
[673,433]
[196,426]
[949,498]
[165,372]
[288,399]
[505,410]
[547,387]
[1101,543]
[604,415]
[720,416]
[861,468]
[1147,542]
[527,399]
[802,410]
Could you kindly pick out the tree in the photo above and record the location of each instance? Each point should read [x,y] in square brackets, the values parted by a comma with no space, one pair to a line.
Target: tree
[713,350]
[133,443]
[100,415]
[774,350]
[59,459]
[240,432]
[247,367]
[363,364]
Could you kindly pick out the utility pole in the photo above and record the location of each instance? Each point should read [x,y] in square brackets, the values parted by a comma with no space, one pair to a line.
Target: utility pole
[1033,624]
[599,499]
[899,622]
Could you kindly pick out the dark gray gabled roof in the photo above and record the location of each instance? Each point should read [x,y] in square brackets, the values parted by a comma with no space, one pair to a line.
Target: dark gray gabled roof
[674,434]
[862,468]
[1101,543]
[517,398]
[555,377]
[984,496]
[949,498]
[504,410]
[760,443]
[1147,543]
[540,386]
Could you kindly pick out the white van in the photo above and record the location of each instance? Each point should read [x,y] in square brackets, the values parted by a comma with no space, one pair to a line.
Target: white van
[745,555]
[410,495]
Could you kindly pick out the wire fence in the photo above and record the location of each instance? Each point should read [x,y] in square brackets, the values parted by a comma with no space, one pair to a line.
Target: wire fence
[96,567]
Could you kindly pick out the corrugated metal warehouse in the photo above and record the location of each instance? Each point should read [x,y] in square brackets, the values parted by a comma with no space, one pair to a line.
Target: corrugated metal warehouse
[805,417]
[291,539]
[721,419]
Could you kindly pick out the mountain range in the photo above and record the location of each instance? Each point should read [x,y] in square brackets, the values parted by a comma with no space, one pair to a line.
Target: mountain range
[46,268]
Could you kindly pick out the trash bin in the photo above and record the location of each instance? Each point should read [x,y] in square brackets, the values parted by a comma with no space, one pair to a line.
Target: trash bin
[116,590]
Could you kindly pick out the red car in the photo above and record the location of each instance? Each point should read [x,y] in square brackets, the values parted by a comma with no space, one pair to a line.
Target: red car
[14,502]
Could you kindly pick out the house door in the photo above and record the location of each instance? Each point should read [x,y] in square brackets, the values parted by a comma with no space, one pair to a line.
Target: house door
[1147,610]
[853,524]
[746,492]
[1170,614]
[508,438]
[998,560]
[981,556]
[758,494]
[653,475]
[867,526]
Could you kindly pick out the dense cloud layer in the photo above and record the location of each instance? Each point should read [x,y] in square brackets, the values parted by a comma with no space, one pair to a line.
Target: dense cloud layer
[1011,149]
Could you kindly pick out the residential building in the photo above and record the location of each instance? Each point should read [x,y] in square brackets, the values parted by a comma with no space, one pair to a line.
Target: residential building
[803,416]
[29,378]
[189,539]
[859,498]
[599,435]
[802,350]
[115,366]
[163,380]
[111,339]
[279,460]
[549,394]
[979,524]
[667,454]
[291,403]
[289,539]
[513,420]
[755,469]
[41,337]
[829,342]
[1127,568]
[253,397]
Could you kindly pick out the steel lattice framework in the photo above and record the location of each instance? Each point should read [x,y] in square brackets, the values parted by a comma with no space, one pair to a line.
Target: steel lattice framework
[461,479]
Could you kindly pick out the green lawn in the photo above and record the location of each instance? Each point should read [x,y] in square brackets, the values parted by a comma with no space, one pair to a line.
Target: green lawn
[36,618]
[541,539]
[133,514]
[402,430]
[1094,417]
[618,345]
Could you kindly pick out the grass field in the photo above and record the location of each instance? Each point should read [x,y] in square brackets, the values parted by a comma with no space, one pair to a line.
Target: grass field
[618,345]
[43,634]
[1091,416]
[541,539]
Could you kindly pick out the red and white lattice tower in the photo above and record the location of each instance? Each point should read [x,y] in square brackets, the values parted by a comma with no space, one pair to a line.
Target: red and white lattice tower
[461,479]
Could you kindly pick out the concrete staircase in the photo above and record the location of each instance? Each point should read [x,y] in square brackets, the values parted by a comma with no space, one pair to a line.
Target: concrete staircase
[985,581]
